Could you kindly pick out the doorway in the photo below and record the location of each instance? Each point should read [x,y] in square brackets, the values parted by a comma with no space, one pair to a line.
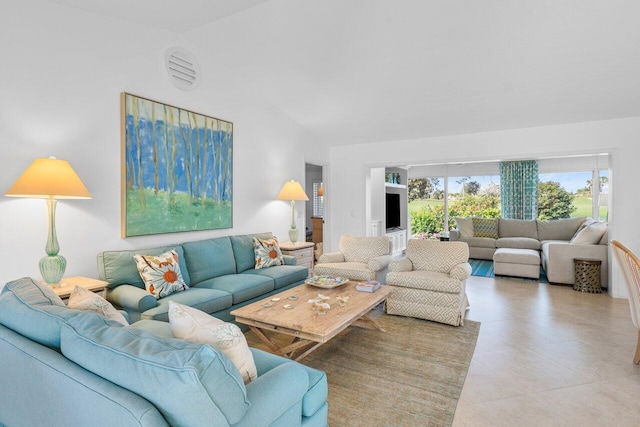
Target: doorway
[314,211]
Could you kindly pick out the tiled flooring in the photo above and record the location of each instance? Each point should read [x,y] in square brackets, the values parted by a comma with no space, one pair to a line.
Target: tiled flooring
[549,356]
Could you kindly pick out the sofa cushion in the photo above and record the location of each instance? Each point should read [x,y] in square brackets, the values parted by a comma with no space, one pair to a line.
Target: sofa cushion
[518,243]
[190,383]
[589,235]
[34,311]
[282,275]
[485,227]
[241,287]
[119,267]
[465,226]
[362,249]
[517,256]
[190,324]
[479,242]
[243,250]
[84,299]
[161,273]
[517,228]
[209,258]
[267,253]
[426,280]
[207,300]
[558,229]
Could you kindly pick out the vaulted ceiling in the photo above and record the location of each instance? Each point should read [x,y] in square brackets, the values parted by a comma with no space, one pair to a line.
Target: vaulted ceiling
[356,71]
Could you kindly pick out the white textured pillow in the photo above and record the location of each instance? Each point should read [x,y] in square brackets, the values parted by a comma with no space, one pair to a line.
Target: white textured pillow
[191,324]
[589,235]
[84,299]
[465,225]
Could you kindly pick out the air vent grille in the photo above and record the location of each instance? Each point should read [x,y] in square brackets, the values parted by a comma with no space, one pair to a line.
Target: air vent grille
[182,68]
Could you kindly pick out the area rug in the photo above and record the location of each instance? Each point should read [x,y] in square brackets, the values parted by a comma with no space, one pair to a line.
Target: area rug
[410,375]
[484,268]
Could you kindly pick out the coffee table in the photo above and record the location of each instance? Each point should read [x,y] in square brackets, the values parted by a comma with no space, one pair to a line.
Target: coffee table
[309,328]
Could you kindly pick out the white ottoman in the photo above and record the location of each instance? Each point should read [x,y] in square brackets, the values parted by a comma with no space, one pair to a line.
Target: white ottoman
[517,262]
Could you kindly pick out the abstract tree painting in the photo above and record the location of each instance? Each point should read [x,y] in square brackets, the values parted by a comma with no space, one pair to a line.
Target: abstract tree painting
[177,169]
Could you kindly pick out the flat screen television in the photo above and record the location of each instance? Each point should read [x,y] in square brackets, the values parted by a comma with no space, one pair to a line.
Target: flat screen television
[392,208]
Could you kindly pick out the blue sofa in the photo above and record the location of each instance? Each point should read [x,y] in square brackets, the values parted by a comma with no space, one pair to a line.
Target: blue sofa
[67,367]
[220,274]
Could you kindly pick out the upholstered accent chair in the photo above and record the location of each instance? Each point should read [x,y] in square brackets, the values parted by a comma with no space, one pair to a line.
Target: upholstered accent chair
[630,265]
[358,258]
[429,283]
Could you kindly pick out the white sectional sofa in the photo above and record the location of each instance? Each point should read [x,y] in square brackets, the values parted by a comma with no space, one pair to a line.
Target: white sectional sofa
[558,242]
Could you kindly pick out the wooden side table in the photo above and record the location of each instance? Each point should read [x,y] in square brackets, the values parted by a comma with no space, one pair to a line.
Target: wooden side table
[303,251]
[69,283]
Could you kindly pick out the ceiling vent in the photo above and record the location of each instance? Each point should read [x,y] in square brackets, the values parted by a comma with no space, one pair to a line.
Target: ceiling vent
[183,68]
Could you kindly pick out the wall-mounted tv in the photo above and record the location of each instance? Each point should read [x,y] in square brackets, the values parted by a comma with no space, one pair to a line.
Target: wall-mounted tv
[392,209]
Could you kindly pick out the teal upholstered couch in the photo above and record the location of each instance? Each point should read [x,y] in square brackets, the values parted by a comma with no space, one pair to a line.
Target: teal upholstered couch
[220,274]
[73,368]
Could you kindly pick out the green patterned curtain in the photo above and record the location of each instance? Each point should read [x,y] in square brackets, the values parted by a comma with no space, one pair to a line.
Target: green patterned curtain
[519,189]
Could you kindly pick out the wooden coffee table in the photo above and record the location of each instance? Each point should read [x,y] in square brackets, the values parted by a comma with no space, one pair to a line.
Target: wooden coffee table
[309,328]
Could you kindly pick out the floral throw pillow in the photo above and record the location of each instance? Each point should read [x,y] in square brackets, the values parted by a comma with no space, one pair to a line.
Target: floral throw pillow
[267,252]
[161,273]
[84,299]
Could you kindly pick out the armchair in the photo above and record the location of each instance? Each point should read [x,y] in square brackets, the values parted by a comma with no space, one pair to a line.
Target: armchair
[358,258]
[430,282]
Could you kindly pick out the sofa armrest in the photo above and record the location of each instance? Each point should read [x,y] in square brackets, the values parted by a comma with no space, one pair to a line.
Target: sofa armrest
[290,260]
[557,260]
[330,257]
[402,264]
[454,234]
[379,263]
[131,298]
[461,271]
[275,392]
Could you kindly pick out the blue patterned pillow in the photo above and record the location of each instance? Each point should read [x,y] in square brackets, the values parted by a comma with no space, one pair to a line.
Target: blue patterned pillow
[267,252]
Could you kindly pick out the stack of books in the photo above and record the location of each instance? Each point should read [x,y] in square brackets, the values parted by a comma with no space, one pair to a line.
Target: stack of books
[368,286]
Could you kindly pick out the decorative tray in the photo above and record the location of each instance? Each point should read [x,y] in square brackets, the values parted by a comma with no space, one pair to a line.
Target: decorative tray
[326,282]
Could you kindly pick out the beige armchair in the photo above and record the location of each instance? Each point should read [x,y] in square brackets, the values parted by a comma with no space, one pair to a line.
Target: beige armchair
[430,282]
[358,258]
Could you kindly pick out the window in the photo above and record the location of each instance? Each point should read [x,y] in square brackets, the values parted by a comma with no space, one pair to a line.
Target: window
[318,200]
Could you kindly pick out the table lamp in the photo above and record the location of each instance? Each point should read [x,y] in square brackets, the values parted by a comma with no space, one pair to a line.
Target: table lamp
[50,179]
[292,190]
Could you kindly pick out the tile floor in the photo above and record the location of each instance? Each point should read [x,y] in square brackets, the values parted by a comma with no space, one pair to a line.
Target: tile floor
[549,356]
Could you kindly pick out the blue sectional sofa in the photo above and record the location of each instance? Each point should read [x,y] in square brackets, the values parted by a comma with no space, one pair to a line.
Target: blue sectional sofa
[220,274]
[74,368]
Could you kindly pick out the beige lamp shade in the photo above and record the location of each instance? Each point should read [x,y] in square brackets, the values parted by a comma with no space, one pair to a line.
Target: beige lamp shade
[46,178]
[292,190]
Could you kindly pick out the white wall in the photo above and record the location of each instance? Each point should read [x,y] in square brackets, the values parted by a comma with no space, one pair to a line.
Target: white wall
[619,137]
[62,73]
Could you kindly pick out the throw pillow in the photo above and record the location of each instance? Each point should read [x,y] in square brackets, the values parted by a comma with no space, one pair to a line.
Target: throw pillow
[485,227]
[589,235]
[161,273]
[267,252]
[465,226]
[84,299]
[191,324]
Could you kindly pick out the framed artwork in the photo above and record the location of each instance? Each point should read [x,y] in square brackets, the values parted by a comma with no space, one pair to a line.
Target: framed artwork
[177,169]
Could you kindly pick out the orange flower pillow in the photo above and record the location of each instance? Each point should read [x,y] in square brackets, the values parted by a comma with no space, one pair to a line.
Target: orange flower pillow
[161,273]
[267,253]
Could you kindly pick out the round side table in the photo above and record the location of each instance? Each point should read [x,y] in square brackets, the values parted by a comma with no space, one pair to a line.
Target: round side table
[587,275]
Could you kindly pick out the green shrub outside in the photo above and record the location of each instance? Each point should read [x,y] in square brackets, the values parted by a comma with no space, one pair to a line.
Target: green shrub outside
[429,219]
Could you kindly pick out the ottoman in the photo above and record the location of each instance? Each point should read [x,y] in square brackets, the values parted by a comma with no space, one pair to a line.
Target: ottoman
[517,262]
